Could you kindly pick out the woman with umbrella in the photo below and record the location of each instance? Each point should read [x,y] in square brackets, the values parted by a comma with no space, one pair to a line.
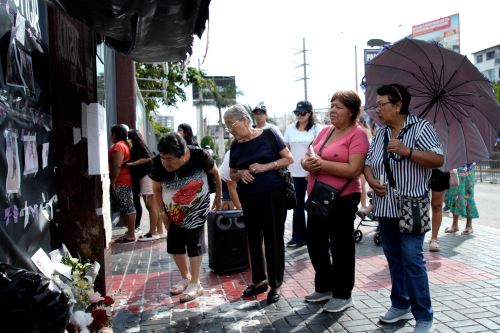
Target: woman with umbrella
[403,153]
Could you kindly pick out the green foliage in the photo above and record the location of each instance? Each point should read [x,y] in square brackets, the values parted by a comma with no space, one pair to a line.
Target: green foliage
[496,88]
[207,141]
[167,82]
[160,130]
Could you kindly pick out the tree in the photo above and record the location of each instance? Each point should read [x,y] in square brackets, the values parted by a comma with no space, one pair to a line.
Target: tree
[496,88]
[222,98]
[160,130]
[165,83]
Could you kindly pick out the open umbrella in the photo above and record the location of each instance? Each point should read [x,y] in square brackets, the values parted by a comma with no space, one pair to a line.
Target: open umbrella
[446,89]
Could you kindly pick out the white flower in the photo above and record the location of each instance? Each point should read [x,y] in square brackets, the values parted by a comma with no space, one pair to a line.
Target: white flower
[81,320]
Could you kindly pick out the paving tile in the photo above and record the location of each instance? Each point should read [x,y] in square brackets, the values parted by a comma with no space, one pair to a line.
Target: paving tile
[464,279]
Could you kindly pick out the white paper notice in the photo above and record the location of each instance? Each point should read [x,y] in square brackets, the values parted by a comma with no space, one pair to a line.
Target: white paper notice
[77,135]
[106,209]
[45,155]
[43,262]
[97,143]
[21,28]
[84,120]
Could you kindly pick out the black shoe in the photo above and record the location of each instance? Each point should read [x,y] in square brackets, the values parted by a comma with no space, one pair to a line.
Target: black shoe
[252,290]
[273,296]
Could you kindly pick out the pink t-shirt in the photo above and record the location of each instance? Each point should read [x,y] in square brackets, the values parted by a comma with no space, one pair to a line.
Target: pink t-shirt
[353,142]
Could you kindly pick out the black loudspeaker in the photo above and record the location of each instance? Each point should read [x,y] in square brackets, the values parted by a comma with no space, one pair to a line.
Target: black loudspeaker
[227,241]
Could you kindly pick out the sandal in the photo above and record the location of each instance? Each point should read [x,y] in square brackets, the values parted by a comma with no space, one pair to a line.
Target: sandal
[451,230]
[179,287]
[124,240]
[192,291]
[467,231]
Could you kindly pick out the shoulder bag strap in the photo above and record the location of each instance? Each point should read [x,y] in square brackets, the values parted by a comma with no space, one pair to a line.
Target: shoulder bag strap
[385,156]
[319,154]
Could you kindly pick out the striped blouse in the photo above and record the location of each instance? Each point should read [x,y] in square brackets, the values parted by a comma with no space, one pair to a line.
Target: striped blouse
[411,179]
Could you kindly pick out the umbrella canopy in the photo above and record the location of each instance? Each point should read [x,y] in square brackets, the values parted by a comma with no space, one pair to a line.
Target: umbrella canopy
[447,90]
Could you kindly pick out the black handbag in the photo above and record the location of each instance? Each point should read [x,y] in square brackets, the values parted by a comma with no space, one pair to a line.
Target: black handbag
[291,200]
[414,217]
[320,201]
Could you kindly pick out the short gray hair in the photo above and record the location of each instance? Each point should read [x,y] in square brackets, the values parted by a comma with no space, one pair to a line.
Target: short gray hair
[237,112]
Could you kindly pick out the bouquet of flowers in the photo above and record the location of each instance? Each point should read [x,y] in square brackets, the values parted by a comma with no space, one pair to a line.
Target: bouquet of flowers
[89,308]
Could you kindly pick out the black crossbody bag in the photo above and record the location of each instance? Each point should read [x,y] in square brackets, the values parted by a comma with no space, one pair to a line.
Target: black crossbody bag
[320,201]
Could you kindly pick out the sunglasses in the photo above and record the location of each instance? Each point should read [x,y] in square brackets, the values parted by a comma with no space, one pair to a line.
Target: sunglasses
[259,112]
[300,113]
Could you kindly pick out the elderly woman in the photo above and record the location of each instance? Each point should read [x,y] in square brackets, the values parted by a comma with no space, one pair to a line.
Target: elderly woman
[338,160]
[256,156]
[181,187]
[297,137]
[410,148]
[121,181]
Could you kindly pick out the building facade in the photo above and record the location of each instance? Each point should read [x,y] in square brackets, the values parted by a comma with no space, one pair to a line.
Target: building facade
[488,62]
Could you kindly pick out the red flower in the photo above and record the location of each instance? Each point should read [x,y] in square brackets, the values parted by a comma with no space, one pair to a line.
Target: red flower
[185,195]
[108,300]
[100,317]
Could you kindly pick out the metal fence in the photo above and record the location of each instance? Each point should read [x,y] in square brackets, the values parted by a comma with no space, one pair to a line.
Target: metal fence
[488,171]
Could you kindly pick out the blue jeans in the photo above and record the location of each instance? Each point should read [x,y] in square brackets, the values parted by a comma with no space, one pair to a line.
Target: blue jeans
[410,284]
[299,232]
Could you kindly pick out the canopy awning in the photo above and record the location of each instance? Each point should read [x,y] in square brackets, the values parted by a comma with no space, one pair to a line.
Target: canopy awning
[144,30]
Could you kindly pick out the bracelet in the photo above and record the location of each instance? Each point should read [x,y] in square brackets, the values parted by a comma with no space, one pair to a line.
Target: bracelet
[162,213]
[411,153]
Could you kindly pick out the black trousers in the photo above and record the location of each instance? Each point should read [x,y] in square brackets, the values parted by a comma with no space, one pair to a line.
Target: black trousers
[136,190]
[336,272]
[265,215]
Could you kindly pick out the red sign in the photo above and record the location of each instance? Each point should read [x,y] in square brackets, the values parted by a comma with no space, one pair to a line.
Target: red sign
[431,26]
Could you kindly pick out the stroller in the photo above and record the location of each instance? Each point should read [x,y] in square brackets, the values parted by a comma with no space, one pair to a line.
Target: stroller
[367,220]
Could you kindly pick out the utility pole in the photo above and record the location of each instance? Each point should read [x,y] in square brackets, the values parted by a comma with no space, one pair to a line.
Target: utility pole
[356,66]
[304,65]
[199,112]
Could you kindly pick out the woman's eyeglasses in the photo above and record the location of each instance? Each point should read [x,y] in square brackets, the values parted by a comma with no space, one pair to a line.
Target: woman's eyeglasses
[231,127]
[300,113]
[380,105]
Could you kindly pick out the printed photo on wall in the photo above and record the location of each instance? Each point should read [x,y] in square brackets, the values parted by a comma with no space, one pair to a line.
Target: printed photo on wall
[45,155]
[26,65]
[13,182]
[30,155]
[13,72]
[19,66]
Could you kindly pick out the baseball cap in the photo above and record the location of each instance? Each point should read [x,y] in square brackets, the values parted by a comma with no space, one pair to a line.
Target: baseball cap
[261,107]
[304,106]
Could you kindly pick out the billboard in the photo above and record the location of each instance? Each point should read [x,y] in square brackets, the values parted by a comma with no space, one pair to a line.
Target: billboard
[371,53]
[222,82]
[445,31]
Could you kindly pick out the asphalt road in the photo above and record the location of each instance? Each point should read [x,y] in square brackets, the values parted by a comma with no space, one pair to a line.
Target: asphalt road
[487,198]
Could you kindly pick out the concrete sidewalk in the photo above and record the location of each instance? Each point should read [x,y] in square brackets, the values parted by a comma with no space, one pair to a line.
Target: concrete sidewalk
[464,278]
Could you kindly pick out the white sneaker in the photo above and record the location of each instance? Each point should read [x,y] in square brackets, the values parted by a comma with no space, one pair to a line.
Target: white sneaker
[433,245]
[192,291]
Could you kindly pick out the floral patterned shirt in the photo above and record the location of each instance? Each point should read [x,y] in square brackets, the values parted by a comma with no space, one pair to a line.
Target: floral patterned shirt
[185,192]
